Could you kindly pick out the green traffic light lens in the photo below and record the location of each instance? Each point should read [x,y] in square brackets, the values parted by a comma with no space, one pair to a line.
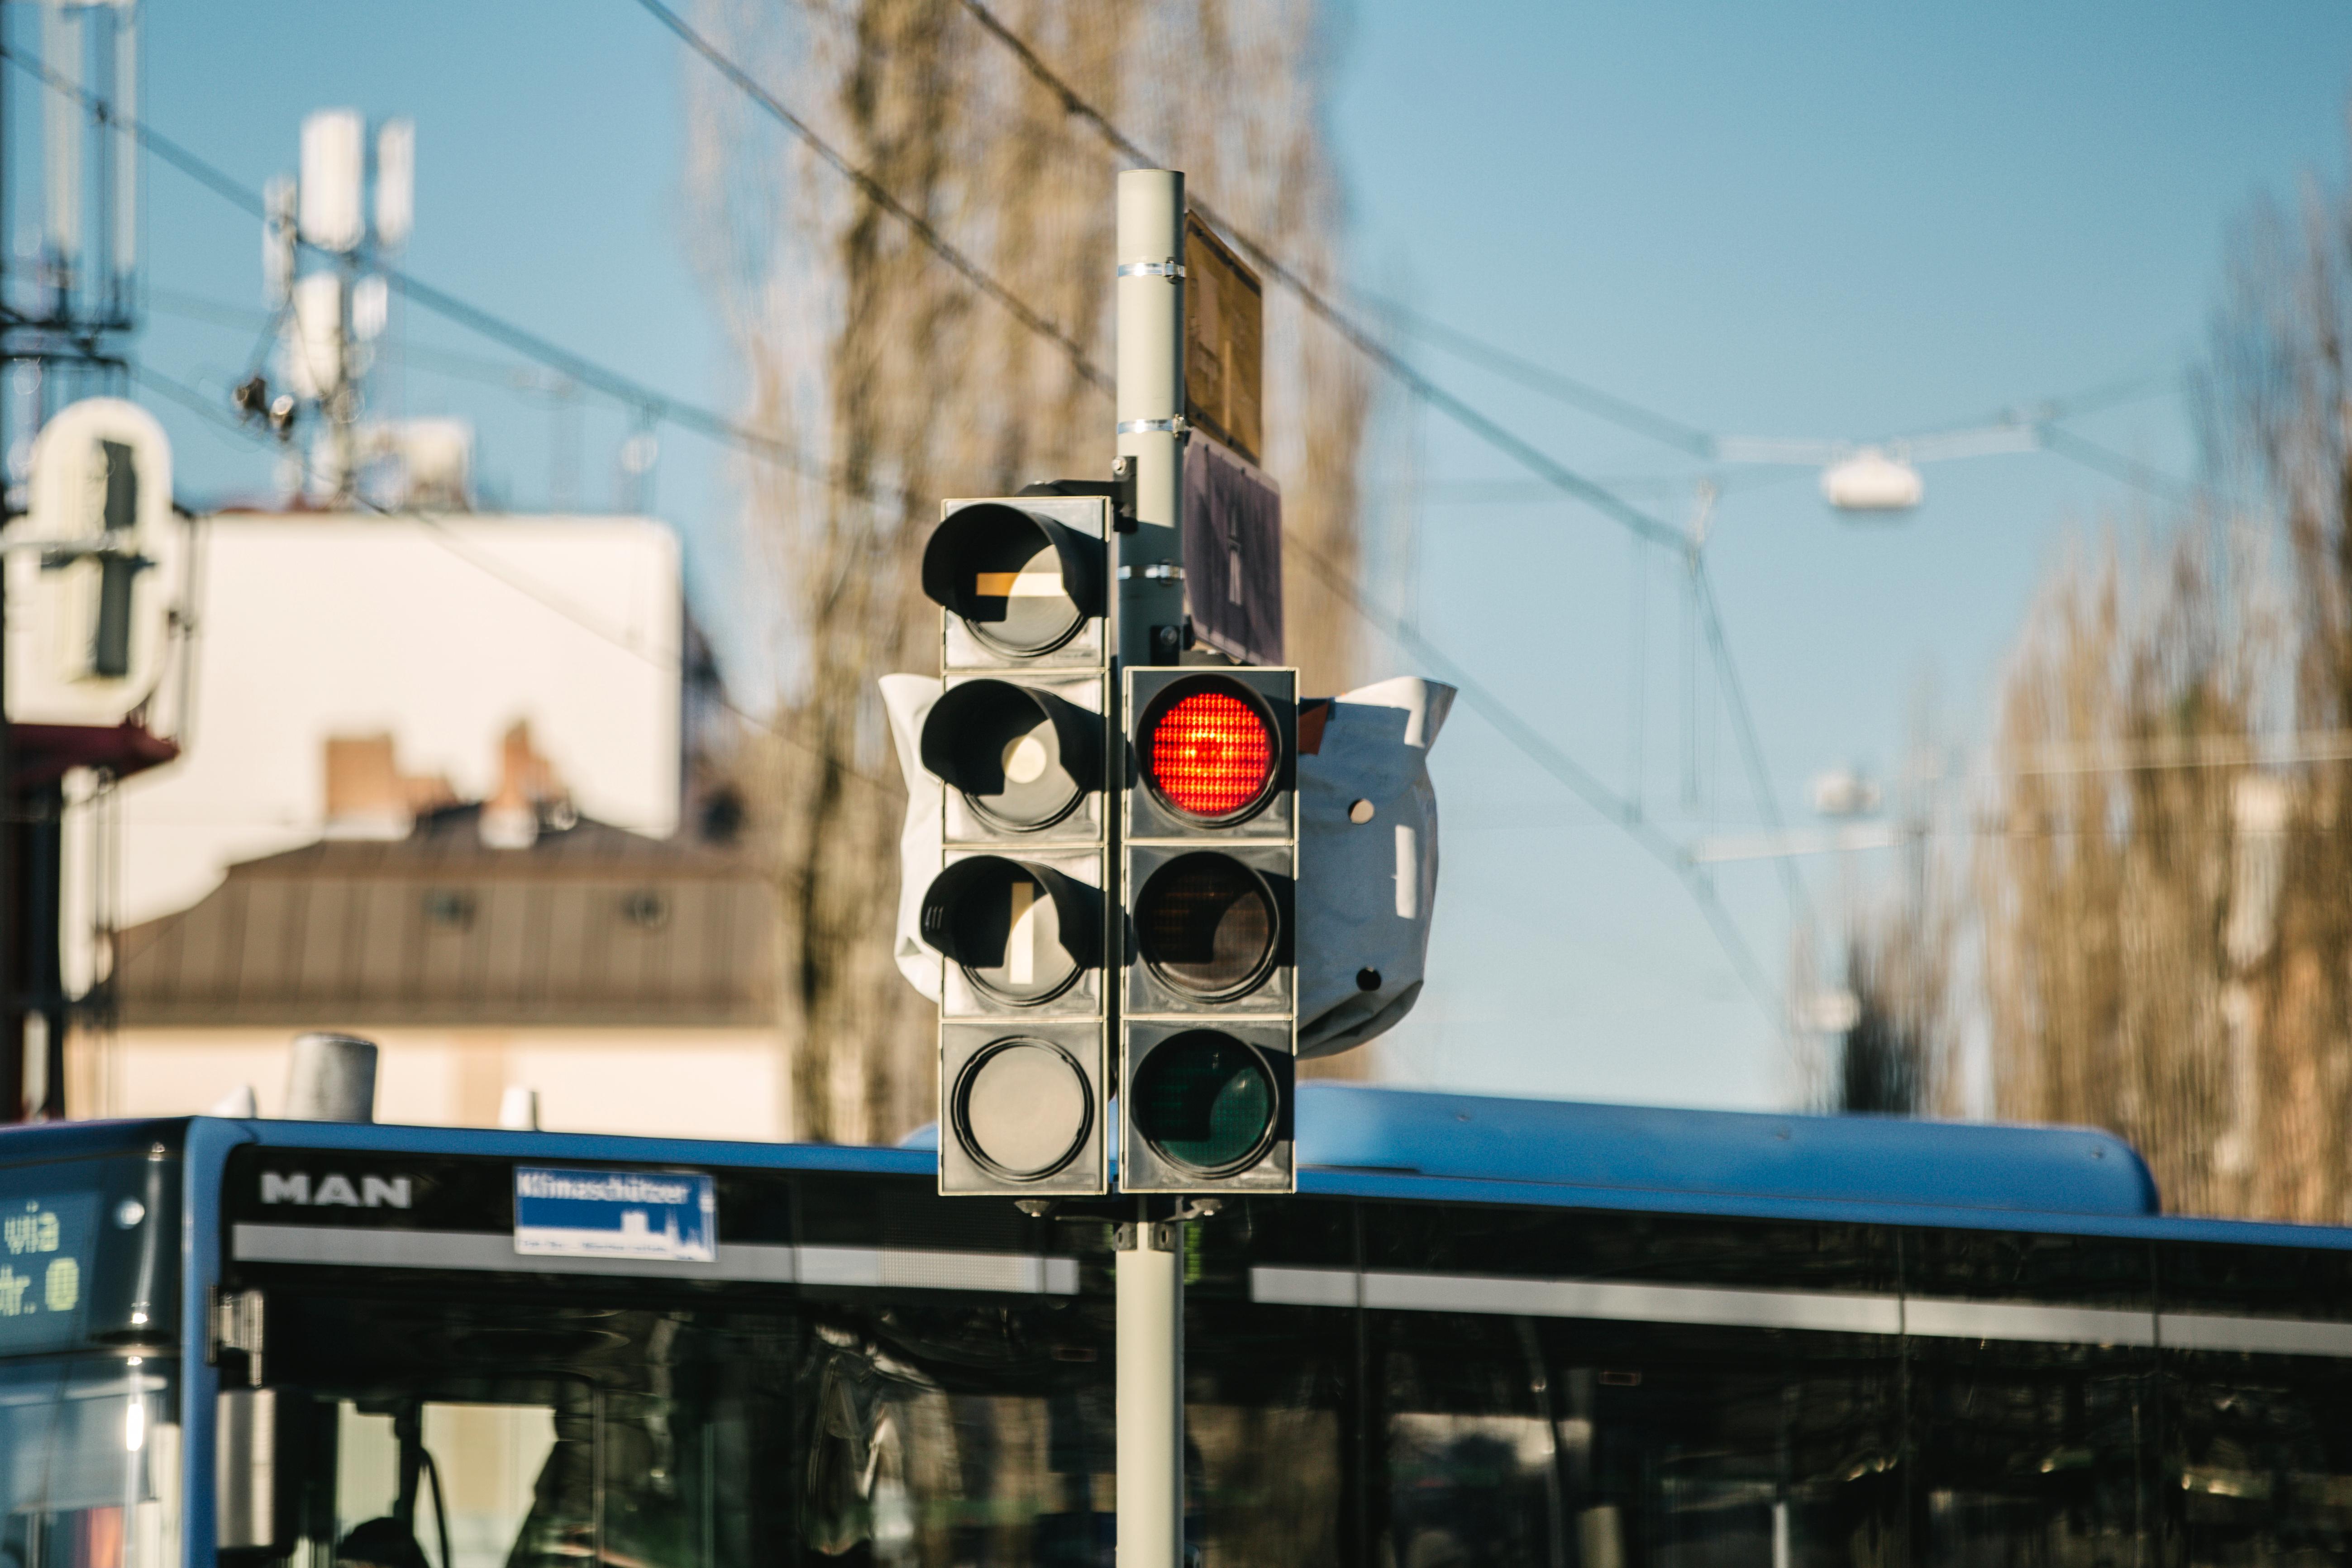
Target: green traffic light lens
[1205,1102]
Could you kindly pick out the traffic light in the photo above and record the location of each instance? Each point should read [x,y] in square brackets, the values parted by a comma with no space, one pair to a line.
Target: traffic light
[1017,744]
[1209,1010]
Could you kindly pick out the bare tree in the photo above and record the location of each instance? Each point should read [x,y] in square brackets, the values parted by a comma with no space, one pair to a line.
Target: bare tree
[906,385]
[2109,863]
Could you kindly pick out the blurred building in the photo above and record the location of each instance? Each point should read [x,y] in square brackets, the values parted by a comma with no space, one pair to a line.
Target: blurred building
[456,742]
[510,943]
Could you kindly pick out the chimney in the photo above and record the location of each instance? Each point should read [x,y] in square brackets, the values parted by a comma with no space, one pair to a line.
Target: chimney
[528,789]
[367,794]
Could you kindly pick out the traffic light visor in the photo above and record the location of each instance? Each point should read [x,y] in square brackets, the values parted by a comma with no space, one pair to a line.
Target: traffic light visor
[1207,926]
[1209,750]
[1018,754]
[1205,1102]
[1023,1108]
[1018,931]
[1024,584]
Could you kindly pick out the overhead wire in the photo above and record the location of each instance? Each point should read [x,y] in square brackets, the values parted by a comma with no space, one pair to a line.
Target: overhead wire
[677,412]
[648,400]
[1526,738]
[880,195]
[1542,464]
[1661,428]
[447,538]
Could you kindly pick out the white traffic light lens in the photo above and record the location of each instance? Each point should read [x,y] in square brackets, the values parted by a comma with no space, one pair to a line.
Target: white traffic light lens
[1207,926]
[1022,1107]
[1205,1102]
[1019,755]
[1209,750]
[998,920]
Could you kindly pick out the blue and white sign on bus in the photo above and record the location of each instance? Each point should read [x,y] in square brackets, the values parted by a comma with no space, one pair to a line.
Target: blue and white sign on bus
[669,1217]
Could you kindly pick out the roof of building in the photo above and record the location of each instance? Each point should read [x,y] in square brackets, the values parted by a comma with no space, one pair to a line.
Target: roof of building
[587,924]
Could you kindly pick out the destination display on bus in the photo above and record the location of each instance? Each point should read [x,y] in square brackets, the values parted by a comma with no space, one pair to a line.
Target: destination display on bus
[48,1243]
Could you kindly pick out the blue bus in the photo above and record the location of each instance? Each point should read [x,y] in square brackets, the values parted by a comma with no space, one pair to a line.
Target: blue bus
[1484,1331]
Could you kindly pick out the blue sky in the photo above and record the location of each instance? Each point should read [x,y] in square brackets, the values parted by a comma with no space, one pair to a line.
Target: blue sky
[1805,220]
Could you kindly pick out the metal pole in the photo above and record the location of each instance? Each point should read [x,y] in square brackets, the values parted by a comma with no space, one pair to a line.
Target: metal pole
[1149,1269]
[1150,1275]
[1151,412]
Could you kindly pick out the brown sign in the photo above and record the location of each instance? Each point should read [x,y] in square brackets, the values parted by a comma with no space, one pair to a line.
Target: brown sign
[1224,331]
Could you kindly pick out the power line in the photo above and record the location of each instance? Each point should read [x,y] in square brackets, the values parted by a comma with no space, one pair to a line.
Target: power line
[1662,428]
[1531,742]
[1557,474]
[654,404]
[1542,464]
[207,408]
[513,375]
[876,192]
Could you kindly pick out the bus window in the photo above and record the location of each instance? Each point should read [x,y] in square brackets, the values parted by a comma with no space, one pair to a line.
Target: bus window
[960,1437]
[1556,1442]
[2036,1445]
[2260,1463]
[525,1432]
[491,1456]
[89,1464]
[1472,1465]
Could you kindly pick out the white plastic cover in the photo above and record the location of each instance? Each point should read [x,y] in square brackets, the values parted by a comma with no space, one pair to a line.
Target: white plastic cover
[1366,888]
[908,699]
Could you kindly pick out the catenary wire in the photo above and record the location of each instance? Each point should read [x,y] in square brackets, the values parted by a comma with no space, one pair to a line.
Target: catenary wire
[1531,742]
[637,394]
[1523,735]
[875,192]
[1559,474]
[207,408]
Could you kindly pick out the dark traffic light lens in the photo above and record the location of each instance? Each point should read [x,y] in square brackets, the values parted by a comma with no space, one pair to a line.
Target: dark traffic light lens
[1211,752]
[1206,924]
[1206,1101]
[1023,1108]
[1002,747]
[1005,931]
[1000,570]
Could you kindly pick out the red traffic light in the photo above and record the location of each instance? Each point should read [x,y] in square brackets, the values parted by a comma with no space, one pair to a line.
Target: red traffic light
[1208,749]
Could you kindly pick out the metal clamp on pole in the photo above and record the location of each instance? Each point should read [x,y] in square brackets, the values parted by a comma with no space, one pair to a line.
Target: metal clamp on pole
[1162,1236]
[1172,270]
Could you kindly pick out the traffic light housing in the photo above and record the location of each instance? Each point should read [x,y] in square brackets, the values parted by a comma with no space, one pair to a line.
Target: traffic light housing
[1017,744]
[1209,994]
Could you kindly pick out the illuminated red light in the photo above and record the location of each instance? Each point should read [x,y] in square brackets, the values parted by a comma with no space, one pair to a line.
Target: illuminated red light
[1211,754]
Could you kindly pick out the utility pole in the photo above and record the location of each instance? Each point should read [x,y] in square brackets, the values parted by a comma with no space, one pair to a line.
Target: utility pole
[1149,1266]
[64,320]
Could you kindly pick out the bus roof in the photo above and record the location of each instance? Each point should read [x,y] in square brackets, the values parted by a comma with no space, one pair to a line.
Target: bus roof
[1362,1140]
